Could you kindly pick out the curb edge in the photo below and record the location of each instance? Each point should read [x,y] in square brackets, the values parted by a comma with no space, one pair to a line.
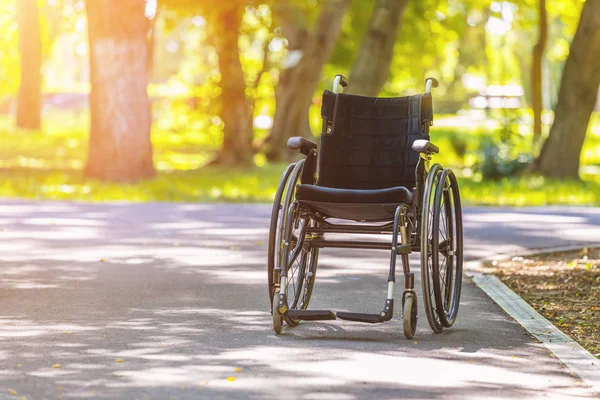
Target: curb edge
[576,358]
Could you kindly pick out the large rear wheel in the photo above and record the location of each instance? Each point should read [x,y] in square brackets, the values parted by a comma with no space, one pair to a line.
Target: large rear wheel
[427,259]
[274,244]
[447,248]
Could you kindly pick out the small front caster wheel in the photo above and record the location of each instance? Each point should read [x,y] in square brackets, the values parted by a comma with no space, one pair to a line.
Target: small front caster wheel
[409,315]
[277,317]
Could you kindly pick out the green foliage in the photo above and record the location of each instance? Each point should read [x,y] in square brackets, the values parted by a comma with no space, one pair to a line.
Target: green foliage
[439,38]
[49,166]
[496,163]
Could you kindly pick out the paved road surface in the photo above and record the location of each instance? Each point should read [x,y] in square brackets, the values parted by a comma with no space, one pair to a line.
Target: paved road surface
[165,301]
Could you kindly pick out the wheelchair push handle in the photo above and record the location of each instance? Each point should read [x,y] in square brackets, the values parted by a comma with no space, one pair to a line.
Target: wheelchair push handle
[430,83]
[339,80]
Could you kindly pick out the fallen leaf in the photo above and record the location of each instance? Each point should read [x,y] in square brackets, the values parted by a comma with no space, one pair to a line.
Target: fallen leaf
[68,332]
[19,365]
[231,378]
[13,392]
[238,369]
[59,388]
[56,366]
[22,398]
[119,360]
[102,260]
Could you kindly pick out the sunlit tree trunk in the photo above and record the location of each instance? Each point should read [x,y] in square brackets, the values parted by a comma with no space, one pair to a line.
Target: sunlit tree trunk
[536,72]
[151,46]
[120,147]
[29,103]
[577,96]
[371,67]
[235,111]
[307,54]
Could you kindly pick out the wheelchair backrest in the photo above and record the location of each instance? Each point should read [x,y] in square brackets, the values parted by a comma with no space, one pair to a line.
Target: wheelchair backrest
[368,143]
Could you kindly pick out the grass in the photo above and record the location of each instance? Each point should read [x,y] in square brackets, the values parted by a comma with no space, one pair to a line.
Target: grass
[530,191]
[48,165]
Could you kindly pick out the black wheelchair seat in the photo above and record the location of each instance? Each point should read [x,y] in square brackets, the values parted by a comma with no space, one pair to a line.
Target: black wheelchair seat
[396,195]
[353,204]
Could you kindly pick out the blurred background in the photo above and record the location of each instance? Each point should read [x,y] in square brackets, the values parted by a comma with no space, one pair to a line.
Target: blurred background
[184,100]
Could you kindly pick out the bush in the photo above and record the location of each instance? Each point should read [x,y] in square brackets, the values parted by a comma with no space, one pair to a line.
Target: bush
[495,162]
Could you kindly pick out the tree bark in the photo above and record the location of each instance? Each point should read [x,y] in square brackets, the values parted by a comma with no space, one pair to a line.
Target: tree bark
[151,45]
[29,103]
[560,155]
[299,79]
[235,110]
[120,147]
[372,65]
[536,72]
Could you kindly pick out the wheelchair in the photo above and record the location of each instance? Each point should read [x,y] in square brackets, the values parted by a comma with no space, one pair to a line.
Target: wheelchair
[372,175]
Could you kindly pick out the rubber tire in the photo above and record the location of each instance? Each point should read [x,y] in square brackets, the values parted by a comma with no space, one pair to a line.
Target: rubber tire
[426,278]
[276,209]
[448,317]
[409,315]
[277,318]
[290,189]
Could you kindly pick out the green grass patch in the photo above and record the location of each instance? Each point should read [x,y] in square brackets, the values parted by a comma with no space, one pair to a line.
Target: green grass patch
[209,184]
[530,191]
[49,165]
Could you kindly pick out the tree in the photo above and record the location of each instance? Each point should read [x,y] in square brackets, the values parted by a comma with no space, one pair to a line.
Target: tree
[371,67]
[120,147]
[224,20]
[536,71]
[29,104]
[235,111]
[560,155]
[308,51]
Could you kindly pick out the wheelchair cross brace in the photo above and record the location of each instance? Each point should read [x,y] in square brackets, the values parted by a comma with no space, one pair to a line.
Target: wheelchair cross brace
[398,227]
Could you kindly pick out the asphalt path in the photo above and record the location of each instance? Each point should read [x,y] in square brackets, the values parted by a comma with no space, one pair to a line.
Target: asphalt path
[168,301]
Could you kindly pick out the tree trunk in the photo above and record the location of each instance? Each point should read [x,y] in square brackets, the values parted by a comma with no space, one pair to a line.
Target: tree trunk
[151,45]
[29,104]
[307,54]
[372,65]
[577,96]
[235,110]
[536,72]
[120,147]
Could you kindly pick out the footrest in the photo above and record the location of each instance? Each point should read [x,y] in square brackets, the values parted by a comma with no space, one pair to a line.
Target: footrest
[311,315]
[368,318]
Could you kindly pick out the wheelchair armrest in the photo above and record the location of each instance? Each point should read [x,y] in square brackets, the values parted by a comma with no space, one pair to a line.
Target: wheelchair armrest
[425,146]
[302,144]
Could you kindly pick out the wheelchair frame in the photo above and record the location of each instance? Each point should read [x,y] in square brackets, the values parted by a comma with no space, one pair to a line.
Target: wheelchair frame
[407,228]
